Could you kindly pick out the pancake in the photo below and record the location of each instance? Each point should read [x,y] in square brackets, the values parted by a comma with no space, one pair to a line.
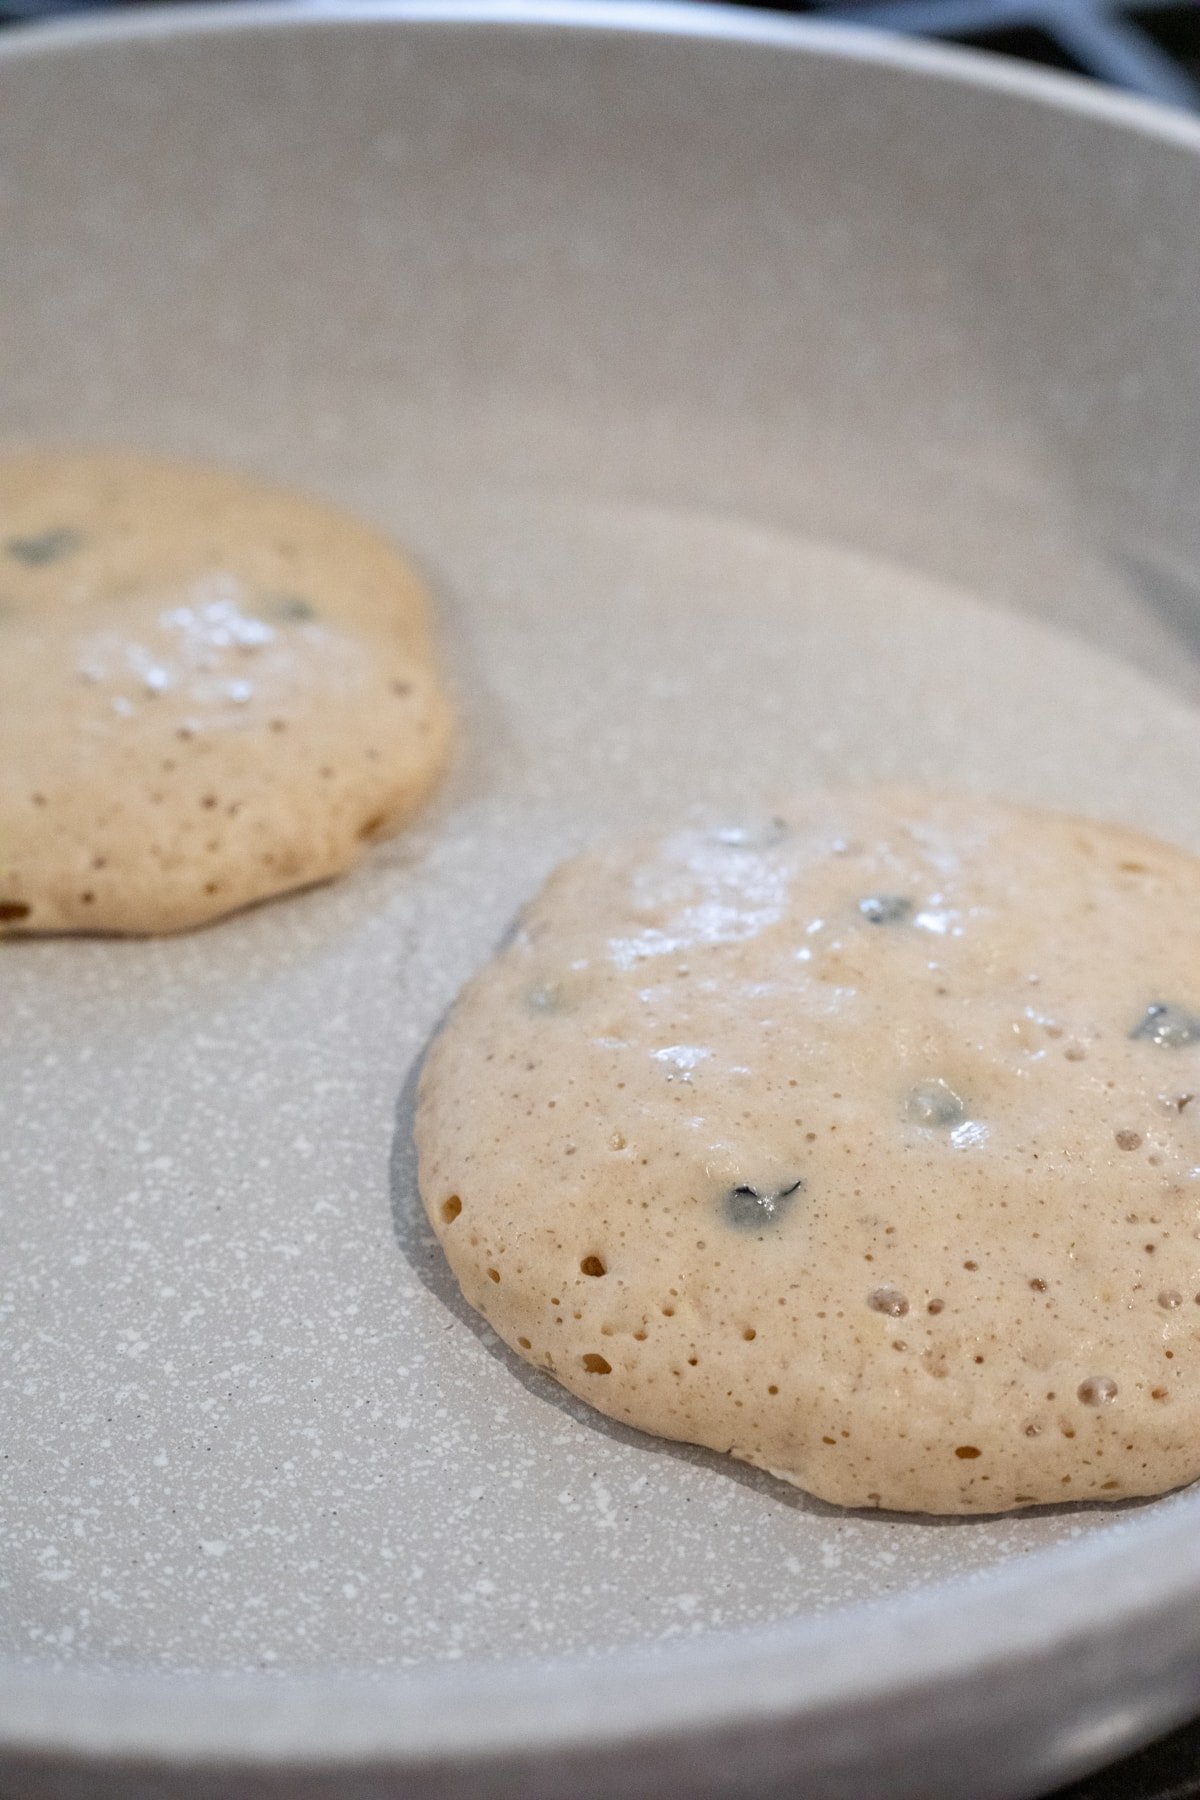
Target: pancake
[211,692]
[861,1143]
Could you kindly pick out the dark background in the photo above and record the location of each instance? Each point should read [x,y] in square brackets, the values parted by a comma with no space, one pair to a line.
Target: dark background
[1149,47]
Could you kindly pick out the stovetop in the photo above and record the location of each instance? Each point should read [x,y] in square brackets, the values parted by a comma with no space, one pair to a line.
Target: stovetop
[1149,47]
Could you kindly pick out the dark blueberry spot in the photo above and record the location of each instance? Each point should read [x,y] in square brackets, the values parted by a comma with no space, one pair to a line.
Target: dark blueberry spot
[292,609]
[888,1300]
[885,909]
[46,547]
[548,997]
[749,1208]
[1171,1027]
[934,1104]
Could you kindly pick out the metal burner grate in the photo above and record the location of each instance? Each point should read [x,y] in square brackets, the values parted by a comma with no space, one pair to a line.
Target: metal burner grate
[1151,47]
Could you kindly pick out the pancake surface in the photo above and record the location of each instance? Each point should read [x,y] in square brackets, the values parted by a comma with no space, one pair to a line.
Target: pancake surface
[862,1143]
[211,691]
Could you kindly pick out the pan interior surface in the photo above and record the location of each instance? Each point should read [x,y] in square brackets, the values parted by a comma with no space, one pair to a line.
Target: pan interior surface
[741,459]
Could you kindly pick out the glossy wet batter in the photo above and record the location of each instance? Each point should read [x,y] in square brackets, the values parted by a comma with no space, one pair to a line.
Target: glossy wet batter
[861,1142]
[211,692]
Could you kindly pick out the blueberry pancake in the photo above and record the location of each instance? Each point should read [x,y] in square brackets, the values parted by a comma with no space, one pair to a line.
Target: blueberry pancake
[861,1143]
[211,691]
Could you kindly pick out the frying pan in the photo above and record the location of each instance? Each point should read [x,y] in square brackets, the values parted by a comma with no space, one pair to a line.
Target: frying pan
[767,405]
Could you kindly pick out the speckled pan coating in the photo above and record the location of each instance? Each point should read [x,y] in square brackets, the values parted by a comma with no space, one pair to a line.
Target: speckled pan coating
[227,1316]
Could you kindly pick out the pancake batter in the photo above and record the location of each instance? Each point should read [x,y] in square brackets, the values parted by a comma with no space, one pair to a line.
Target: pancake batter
[211,691]
[861,1142]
